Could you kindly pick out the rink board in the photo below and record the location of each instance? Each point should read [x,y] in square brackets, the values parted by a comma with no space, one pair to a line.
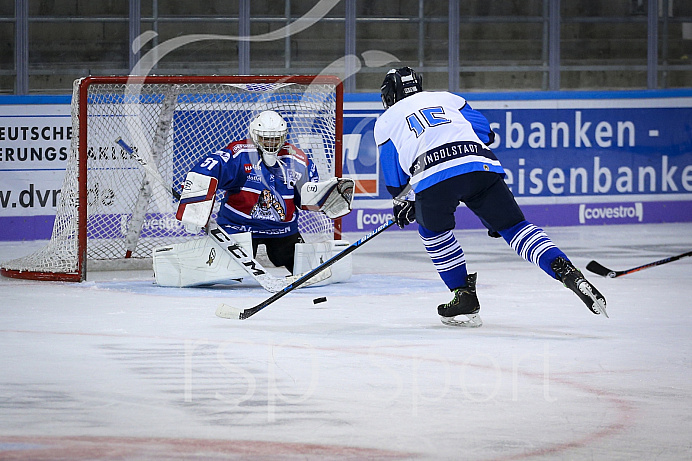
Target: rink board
[572,158]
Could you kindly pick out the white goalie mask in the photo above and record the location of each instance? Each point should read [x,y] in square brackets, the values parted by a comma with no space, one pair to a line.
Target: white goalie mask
[268,131]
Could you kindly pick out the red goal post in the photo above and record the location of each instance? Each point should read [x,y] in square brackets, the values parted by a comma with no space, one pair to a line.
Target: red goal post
[112,213]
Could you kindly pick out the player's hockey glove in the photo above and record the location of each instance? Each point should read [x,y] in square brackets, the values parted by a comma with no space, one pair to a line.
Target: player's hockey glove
[404,212]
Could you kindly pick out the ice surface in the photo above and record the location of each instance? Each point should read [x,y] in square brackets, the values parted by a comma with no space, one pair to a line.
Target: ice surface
[118,368]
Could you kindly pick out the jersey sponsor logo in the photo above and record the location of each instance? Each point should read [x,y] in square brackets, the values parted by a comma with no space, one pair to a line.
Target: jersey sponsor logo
[445,153]
[604,212]
[248,168]
[254,230]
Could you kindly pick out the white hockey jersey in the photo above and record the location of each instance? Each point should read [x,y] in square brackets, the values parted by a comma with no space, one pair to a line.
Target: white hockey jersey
[431,136]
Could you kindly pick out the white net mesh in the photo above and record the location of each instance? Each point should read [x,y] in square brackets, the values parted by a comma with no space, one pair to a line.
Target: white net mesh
[170,125]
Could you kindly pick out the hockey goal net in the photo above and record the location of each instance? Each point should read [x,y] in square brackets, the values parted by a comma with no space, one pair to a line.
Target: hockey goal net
[112,211]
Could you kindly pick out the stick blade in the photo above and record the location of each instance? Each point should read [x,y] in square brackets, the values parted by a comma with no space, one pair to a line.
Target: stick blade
[225,311]
[599,269]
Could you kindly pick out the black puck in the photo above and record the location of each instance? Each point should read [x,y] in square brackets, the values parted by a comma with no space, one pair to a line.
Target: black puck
[319,300]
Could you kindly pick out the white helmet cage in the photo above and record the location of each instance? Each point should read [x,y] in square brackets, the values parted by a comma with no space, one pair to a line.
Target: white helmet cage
[268,131]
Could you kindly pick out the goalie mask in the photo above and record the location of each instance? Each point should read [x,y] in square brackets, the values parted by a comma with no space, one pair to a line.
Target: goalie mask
[398,84]
[268,131]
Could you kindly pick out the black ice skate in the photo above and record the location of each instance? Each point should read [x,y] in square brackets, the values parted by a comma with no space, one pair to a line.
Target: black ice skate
[573,279]
[465,302]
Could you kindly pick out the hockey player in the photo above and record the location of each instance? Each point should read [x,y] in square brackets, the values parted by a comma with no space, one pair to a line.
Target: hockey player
[438,144]
[264,179]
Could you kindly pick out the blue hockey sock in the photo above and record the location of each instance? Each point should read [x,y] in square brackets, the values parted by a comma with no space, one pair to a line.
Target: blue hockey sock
[532,244]
[447,256]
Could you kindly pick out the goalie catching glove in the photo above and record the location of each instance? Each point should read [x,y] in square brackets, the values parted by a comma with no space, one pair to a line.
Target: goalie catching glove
[333,197]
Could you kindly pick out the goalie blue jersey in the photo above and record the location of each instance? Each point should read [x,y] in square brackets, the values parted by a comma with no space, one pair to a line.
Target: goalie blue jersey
[428,137]
[259,199]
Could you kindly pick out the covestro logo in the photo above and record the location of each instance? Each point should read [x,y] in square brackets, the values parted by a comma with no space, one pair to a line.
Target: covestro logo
[372,219]
[604,212]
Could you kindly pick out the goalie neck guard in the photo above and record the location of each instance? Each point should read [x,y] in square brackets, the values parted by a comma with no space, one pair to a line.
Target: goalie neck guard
[268,131]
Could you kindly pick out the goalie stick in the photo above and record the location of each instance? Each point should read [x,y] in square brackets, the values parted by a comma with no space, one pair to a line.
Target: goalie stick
[148,168]
[601,270]
[253,267]
[231,312]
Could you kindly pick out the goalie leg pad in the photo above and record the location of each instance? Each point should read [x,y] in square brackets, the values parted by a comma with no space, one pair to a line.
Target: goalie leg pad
[310,255]
[198,262]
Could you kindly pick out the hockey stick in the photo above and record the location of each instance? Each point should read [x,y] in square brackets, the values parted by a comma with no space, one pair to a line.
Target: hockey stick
[231,312]
[599,269]
[146,192]
[149,169]
[253,267]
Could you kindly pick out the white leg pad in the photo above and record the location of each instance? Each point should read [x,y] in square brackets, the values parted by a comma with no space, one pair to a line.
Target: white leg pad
[310,255]
[198,262]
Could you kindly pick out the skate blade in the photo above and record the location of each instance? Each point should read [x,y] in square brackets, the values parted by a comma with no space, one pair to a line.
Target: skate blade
[463,320]
[598,304]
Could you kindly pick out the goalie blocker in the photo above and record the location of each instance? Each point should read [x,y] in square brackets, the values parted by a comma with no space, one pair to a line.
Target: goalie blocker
[204,262]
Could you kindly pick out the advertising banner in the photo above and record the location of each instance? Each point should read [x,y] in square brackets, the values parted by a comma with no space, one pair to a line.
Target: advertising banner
[34,145]
[569,162]
[571,159]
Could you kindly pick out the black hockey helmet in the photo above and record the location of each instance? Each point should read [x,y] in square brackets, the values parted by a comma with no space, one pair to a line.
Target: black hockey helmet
[398,84]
